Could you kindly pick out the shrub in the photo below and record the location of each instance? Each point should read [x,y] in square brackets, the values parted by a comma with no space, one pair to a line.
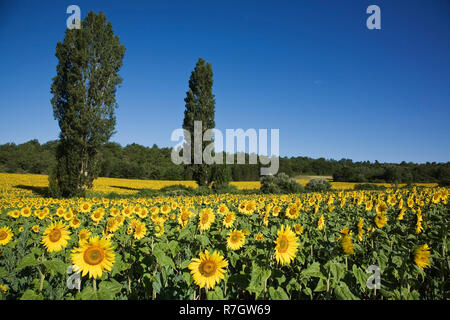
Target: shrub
[280,183]
[368,186]
[318,185]
[221,177]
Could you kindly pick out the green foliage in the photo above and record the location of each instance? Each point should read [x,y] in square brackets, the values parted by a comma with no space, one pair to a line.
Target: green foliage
[280,183]
[221,176]
[368,186]
[200,106]
[318,185]
[84,88]
[139,162]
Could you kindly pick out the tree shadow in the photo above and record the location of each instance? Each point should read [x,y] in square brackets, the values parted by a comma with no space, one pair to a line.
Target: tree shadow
[42,191]
[126,188]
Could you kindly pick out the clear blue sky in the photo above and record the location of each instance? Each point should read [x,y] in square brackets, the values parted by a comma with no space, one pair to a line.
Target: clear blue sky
[309,68]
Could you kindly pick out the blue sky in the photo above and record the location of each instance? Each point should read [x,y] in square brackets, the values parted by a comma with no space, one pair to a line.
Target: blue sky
[311,69]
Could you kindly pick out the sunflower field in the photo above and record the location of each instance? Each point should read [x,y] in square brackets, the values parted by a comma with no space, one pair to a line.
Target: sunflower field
[227,246]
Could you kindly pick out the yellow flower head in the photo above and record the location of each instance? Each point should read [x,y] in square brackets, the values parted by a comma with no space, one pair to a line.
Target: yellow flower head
[6,235]
[55,236]
[93,257]
[236,240]
[286,245]
[422,256]
[208,270]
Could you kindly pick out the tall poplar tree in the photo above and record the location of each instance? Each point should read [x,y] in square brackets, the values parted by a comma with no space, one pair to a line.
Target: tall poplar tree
[84,100]
[200,106]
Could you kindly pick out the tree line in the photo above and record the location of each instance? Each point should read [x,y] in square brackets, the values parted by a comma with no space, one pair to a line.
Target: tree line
[135,161]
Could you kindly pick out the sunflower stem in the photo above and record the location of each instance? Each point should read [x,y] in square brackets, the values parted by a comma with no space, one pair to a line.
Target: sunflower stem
[94,285]
[41,279]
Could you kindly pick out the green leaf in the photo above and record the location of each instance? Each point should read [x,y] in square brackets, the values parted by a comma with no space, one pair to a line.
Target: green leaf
[28,261]
[31,295]
[278,294]
[2,272]
[37,251]
[308,292]
[321,286]
[360,276]
[204,240]
[163,259]
[241,280]
[337,271]
[343,292]
[56,265]
[174,247]
[187,277]
[397,261]
[258,279]
[109,289]
[217,294]
[312,271]
[185,264]
[88,293]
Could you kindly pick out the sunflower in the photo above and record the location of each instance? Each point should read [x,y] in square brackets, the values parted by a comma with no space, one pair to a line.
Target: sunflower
[35,228]
[158,230]
[380,220]
[97,215]
[68,215]
[111,225]
[347,244]
[3,288]
[422,256]
[75,223]
[165,209]
[85,207]
[183,218]
[139,231]
[381,208]
[369,205]
[419,227]
[143,213]
[275,211]
[14,214]
[206,217]
[208,270]
[114,212]
[401,214]
[259,237]
[321,222]
[94,256]
[292,212]
[298,228]
[6,235]
[25,212]
[83,235]
[127,212]
[236,240]
[55,236]
[360,229]
[229,219]
[223,209]
[60,212]
[286,245]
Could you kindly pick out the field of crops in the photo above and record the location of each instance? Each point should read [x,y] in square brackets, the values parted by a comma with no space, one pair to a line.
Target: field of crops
[28,184]
[332,245]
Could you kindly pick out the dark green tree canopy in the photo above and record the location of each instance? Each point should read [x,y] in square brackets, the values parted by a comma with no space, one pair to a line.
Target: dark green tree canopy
[84,89]
[200,106]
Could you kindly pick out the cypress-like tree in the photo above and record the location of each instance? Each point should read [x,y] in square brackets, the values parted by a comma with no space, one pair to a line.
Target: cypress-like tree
[200,106]
[84,100]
